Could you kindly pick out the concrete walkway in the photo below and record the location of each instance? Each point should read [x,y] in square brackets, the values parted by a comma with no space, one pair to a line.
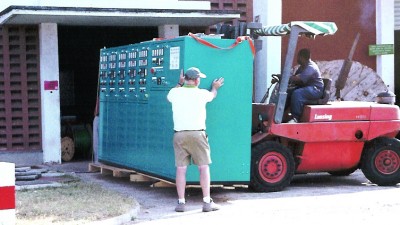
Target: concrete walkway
[310,199]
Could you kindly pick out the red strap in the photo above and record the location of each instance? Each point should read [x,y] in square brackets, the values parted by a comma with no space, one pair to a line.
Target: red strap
[251,43]
[238,41]
[7,197]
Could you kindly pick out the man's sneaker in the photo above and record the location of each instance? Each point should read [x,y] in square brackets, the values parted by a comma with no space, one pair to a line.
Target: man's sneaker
[180,207]
[208,207]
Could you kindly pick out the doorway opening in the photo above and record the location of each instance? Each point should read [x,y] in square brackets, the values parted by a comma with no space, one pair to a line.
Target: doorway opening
[79,50]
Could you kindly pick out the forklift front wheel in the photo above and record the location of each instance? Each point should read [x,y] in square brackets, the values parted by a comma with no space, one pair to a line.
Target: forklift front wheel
[272,167]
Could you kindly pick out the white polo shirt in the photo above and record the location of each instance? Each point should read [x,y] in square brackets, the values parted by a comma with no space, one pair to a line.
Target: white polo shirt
[189,107]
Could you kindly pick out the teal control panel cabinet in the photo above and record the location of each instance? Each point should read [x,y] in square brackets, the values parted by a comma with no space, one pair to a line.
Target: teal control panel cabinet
[136,126]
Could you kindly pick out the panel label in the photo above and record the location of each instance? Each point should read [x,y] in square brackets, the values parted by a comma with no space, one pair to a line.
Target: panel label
[174,58]
[382,49]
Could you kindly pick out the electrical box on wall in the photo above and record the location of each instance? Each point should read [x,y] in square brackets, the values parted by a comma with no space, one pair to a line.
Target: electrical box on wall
[136,126]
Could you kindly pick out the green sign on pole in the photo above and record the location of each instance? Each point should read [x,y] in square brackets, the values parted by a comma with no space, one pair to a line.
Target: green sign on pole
[382,49]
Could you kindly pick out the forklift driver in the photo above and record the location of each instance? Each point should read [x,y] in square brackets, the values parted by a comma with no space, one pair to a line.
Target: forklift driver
[308,84]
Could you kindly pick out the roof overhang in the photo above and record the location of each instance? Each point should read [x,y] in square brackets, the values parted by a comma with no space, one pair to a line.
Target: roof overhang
[22,15]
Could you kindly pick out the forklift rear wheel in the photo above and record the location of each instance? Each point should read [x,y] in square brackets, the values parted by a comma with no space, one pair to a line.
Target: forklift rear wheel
[381,162]
[272,167]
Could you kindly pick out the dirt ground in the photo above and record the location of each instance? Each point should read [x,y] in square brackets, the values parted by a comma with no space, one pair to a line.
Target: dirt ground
[59,197]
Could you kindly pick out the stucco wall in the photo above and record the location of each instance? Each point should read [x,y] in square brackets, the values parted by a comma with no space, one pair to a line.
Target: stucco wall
[350,16]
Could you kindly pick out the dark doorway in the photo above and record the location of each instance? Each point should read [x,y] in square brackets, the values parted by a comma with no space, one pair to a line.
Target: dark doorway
[79,49]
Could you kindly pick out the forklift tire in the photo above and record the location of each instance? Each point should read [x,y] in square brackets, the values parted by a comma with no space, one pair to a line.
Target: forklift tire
[272,167]
[381,161]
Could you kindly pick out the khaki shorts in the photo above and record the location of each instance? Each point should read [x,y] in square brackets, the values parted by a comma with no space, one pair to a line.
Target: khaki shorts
[191,145]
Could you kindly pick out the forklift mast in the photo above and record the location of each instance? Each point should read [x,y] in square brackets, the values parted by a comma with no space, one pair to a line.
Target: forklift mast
[282,94]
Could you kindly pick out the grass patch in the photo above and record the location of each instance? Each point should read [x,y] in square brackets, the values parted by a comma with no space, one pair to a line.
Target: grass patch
[75,203]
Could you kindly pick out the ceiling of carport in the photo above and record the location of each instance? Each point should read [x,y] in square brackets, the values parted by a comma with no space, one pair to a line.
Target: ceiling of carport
[113,17]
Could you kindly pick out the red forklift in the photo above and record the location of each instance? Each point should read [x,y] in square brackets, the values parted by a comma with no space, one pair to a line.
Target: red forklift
[337,137]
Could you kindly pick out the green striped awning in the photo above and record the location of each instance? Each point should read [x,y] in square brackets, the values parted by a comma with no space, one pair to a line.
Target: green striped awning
[313,28]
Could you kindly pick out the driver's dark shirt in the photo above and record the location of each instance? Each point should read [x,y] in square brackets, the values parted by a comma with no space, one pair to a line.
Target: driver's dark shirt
[310,75]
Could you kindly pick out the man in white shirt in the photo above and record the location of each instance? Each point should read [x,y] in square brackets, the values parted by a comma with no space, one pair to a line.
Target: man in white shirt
[190,139]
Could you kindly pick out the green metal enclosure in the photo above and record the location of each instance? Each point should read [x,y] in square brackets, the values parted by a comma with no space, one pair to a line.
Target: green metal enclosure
[136,127]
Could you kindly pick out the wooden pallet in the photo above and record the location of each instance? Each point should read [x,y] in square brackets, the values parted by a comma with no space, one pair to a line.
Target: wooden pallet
[133,175]
[110,170]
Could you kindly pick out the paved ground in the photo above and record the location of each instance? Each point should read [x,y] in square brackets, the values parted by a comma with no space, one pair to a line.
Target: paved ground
[311,199]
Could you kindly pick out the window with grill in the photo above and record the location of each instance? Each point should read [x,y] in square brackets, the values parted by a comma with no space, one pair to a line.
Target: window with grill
[244,6]
[20,112]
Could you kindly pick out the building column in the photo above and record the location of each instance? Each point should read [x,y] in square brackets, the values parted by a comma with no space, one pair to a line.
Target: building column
[385,35]
[50,95]
[268,59]
[168,31]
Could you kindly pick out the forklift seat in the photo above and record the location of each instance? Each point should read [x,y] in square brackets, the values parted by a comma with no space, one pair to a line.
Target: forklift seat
[325,95]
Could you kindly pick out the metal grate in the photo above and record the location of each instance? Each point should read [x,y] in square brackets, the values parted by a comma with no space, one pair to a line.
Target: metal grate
[244,6]
[20,113]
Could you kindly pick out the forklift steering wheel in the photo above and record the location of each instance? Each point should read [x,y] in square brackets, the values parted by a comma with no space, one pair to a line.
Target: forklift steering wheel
[276,78]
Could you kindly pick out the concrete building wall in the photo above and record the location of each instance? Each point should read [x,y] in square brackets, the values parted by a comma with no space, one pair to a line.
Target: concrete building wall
[351,17]
[385,35]
[267,60]
[373,19]
[51,122]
